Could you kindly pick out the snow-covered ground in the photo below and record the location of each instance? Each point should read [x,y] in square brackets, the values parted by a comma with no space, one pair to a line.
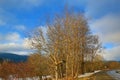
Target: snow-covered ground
[80,76]
[114,74]
[88,74]
[22,79]
[33,78]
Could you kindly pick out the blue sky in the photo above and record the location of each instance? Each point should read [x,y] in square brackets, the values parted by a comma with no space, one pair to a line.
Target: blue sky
[17,17]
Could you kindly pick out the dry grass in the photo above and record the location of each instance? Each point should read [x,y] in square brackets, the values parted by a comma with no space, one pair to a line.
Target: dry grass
[103,76]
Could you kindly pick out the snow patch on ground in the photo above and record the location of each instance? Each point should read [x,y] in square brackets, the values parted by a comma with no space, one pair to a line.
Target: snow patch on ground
[80,76]
[28,78]
[88,74]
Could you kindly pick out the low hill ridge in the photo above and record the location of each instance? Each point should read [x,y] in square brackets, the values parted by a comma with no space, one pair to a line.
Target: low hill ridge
[13,57]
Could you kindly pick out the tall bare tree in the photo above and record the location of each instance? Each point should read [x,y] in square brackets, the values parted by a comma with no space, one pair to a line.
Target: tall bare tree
[67,42]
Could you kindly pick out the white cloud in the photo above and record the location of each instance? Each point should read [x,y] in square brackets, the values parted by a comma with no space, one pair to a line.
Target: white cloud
[108,27]
[12,37]
[112,38]
[112,54]
[98,8]
[17,48]
[24,4]
[9,17]
[20,27]
[105,22]
[6,17]
[21,52]
[15,44]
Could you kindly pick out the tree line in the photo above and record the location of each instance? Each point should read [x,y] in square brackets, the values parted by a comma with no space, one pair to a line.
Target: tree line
[37,66]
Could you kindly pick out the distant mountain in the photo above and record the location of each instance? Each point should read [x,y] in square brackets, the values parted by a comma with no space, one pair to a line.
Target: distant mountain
[13,57]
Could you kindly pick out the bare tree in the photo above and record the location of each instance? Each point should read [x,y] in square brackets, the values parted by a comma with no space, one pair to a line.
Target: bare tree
[67,42]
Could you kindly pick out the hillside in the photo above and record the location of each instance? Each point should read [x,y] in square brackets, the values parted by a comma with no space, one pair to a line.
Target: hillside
[13,57]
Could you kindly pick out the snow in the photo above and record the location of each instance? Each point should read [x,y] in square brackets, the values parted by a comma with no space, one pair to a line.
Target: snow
[28,78]
[80,76]
[114,74]
[34,78]
[85,75]
[88,74]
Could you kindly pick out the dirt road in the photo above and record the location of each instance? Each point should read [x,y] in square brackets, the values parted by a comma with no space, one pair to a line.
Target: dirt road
[103,75]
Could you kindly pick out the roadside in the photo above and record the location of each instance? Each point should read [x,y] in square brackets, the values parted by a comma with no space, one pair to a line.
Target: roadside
[115,74]
[102,76]
[88,76]
[98,76]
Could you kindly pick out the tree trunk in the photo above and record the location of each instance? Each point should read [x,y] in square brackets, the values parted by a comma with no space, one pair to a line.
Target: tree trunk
[56,72]
[40,77]
[67,67]
[82,64]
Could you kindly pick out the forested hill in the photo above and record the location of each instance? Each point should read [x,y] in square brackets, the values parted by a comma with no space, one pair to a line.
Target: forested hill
[13,57]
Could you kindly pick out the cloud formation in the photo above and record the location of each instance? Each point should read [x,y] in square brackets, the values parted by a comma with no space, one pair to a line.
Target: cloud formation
[20,27]
[99,8]
[105,22]
[112,54]
[11,37]
[108,27]
[24,4]
[15,44]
